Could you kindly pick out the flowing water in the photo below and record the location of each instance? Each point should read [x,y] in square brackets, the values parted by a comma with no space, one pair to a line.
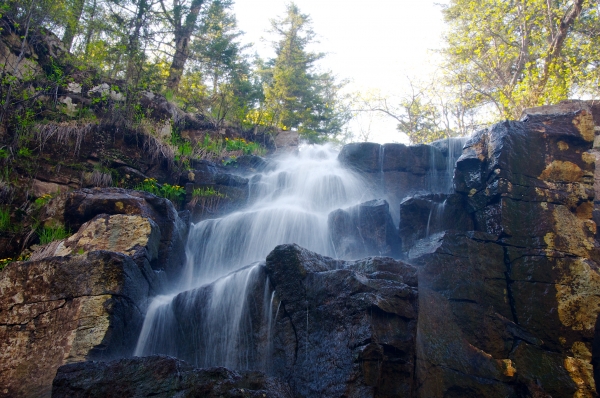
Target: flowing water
[221,312]
[207,319]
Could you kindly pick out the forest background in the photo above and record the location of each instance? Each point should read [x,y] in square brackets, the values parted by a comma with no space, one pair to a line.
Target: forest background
[498,58]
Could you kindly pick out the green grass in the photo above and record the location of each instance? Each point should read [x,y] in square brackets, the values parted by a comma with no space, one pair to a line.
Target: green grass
[50,234]
[4,219]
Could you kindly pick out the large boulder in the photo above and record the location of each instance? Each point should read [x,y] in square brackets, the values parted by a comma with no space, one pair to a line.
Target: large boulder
[66,309]
[364,230]
[85,204]
[161,377]
[514,303]
[343,328]
[132,235]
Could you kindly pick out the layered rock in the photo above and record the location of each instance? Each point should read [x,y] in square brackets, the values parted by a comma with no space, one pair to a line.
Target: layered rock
[424,215]
[364,230]
[343,328]
[66,309]
[514,303]
[231,190]
[398,171]
[160,377]
[132,235]
[85,204]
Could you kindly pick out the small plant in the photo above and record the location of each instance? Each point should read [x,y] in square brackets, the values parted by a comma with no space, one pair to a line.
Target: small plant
[4,219]
[5,261]
[219,149]
[207,197]
[207,192]
[230,161]
[50,234]
[42,201]
[240,144]
[24,152]
[174,193]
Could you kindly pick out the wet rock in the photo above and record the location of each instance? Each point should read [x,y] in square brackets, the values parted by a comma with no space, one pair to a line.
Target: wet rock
[494,324]
[248,164]
[343,328]
[287,141]
[160,376]
[232,189]
[66,309]
[85,204]
[512,304]
[364,230]
[424,215]
[362,156]
[235,305]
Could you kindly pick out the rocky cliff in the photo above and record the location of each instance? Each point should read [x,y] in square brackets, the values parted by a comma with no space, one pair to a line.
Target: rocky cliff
[493,291]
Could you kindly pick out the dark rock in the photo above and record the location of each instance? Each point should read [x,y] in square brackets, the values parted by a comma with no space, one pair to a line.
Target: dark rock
[246,164]
[160,376]
[416,159]
[508,310]
[231,180]
[66,309]
[83,205]
[423,216]
[363,156]
[363,230]
[343,328]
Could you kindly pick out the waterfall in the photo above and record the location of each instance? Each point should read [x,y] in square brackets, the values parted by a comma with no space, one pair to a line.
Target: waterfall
[444,154]
[221,302]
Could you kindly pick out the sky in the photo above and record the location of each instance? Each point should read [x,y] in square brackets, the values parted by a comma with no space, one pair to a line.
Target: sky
[376,45]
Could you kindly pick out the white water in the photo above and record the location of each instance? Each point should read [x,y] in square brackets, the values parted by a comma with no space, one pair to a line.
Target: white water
[288,204]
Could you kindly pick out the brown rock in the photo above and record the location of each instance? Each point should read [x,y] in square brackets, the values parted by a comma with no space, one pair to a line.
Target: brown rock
[65,309]
[85,204]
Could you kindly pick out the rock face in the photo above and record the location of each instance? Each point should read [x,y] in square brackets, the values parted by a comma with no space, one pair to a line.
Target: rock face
[424,215]
[85,204]
[510,308]
[364,230]
[66,309]
[398,171]
[160,377]
[343,328]
[134,236]
[232,190]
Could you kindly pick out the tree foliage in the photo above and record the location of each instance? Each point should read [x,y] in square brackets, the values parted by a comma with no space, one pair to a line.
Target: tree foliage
[521,53]
[296,95]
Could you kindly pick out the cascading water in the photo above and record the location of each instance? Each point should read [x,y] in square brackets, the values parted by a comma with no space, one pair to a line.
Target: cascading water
[442,163]
[207,319]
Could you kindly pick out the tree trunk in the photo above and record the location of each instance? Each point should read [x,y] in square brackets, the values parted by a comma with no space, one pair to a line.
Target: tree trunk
[183,34]
[133,46]
[73,24]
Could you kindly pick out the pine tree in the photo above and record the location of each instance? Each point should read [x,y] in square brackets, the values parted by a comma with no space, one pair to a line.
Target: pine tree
[298,97]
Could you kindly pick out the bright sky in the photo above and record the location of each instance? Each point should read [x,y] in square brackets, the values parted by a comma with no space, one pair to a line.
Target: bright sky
[375,44]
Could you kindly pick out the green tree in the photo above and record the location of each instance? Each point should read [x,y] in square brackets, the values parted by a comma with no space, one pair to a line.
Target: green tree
[514,54]
[298,97]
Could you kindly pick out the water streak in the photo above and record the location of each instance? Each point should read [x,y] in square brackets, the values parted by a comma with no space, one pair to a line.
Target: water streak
[289,203]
